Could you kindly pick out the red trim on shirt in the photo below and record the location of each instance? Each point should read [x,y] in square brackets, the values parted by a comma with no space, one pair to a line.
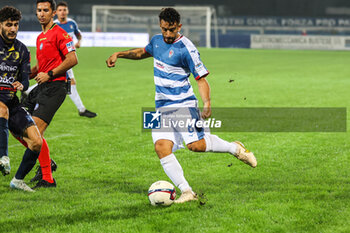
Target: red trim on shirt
[144,49]
[199,77]
[8,89]
[177,39]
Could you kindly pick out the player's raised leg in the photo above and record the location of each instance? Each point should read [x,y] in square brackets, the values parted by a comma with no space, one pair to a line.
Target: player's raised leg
[200,140]
[173,169]
[212,143]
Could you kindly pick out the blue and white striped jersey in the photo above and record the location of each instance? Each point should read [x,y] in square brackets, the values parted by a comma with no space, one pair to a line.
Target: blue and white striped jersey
[173,64]
[71,27]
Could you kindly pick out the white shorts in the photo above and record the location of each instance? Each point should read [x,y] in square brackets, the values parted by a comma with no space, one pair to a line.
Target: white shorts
[70,73]
[179,134]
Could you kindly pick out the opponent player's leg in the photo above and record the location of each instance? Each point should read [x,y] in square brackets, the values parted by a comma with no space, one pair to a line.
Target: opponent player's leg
[164,149]
[75,97]
[22,126]
[4,159]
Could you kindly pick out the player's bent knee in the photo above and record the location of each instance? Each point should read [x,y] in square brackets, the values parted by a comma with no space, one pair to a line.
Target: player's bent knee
[35,144]
[196,146]
[163,148]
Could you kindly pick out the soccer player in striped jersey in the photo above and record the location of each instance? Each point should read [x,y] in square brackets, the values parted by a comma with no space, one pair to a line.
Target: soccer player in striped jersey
[175,58]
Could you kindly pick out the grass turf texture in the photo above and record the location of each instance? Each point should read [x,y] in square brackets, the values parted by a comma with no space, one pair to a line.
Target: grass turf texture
[105,165]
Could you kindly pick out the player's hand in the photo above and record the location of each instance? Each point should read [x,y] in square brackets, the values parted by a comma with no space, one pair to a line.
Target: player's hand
[77,45]
[112,60]
[18,86]
[42,77]
[206,113]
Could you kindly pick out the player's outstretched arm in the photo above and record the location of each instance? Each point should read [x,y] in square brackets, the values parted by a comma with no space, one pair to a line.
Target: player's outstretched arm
[135,54]
[204,91]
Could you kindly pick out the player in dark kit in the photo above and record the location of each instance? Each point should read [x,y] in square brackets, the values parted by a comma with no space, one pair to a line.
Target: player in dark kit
[55,54]
[14,74]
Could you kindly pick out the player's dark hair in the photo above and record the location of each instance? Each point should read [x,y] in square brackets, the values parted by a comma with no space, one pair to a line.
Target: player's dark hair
[52,3]
[169,15]
[11,13]
[63,3]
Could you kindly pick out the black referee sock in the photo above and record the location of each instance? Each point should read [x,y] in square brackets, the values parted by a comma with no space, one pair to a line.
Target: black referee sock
[4,136]
[28,162]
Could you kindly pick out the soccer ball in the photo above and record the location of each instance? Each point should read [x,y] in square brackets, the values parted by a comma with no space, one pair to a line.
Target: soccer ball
[161,193]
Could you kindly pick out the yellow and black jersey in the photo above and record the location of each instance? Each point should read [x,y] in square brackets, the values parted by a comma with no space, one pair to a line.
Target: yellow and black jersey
[14,66]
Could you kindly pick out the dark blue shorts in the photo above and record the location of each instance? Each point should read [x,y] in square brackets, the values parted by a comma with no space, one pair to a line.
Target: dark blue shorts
[19,118]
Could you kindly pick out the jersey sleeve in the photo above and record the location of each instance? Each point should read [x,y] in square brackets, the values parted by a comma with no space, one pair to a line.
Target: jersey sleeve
[25,69]
[194,63]
[77,32]
[65,42]
[149,47]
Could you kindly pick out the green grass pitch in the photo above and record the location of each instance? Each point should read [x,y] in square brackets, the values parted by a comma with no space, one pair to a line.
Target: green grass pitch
[106,164]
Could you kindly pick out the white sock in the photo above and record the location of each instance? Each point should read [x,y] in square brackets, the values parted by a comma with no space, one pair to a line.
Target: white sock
[174,171]
[76,99]
[216,144]
[30,89]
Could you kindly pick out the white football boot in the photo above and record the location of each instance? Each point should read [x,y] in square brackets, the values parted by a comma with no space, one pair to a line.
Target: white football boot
[5,165]
[187,196]
[245,155]
[19,184]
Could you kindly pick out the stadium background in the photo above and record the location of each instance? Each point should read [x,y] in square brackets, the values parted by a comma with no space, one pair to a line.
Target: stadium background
[297,17]
[106,164]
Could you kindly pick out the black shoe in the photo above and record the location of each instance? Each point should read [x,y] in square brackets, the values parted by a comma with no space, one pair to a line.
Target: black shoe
[88,114]
[45,184]
[38,175]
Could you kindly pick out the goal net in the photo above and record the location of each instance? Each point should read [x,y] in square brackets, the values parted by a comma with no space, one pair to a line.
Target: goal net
[198,22]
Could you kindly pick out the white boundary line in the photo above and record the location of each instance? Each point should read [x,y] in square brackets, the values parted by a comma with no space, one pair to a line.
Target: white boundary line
[50,138]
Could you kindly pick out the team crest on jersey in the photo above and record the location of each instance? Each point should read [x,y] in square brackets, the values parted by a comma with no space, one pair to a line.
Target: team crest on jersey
[171,53]
[41,46]
[71,26]
[65,35]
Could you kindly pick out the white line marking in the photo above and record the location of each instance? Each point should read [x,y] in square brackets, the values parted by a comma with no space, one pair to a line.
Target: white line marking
[50,138]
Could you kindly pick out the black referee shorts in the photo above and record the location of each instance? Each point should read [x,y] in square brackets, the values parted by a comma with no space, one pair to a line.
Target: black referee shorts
[45,99]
